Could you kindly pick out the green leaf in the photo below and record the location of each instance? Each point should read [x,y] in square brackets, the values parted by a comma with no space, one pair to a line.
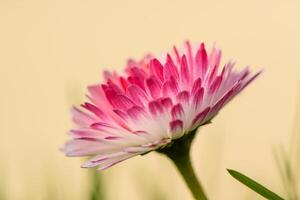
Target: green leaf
[263,191]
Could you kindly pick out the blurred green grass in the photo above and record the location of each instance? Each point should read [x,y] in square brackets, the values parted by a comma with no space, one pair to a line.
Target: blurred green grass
[288,160]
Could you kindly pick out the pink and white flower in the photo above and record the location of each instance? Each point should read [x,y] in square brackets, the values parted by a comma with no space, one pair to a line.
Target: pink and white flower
[152,104]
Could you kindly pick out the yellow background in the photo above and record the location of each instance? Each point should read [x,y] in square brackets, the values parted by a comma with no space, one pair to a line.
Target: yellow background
[51,50]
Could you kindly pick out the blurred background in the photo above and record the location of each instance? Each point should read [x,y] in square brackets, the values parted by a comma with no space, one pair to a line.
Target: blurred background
[51,50]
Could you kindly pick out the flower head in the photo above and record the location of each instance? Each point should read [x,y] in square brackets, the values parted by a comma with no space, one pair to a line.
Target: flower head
[152,104]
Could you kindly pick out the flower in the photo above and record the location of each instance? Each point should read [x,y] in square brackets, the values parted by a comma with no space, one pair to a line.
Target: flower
[152,104]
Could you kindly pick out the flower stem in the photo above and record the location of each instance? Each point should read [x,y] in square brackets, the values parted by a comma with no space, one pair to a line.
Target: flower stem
[179,153]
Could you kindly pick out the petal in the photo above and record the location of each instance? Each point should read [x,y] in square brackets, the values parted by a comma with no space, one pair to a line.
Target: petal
[183,97]
[177,112]
[138,72]
[84,147]
[184,70]
[199,119]
[170,69]
[97,111]
[215,85]
[138,95]
[81,118]
[211,75]
[198,98]
[153,87]
[124,83]
[115,160]
[156,69]
[119,101]
[136,81]
[170,87]
[177,55]
[196,85]
[215,57]
[110,129]
[176,129]
[97,96]
[121,114]
[166,102]
[107,75]
[135,112]
[201,61]
[190,58]
[114,86]
[155,108]
[104,161]
[86,133]
[251,79]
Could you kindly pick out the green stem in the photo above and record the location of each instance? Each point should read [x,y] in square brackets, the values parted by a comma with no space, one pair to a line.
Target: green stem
[179,153]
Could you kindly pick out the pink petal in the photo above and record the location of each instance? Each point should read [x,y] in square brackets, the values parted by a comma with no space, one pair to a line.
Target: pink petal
[83,147]
[156,69]
[170,69]
[184,70]
[85,133]
[121,114]
[112,138]
[166,102]
[153,87]
[198,98]
[183,97]
[215,57]
[137,95]
[138,72]
[93,134]
[212,74]
[170,87]
[94,109]
[196,85]
[201,61]
[97,96]
[135,112]
[102,126]
[138,149]
[108,159]
[155,108]
[190,59]
[176,124]
[215,85]
[251,79]
[117,160]
[176,128]
[81,118]
[118,101]
[198,120]
[136,81]
[225,99]
[124,83]
[177,112]
[176,54]
[115,87]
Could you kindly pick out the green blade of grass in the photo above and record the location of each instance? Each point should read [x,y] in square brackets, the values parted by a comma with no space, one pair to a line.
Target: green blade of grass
[258,188]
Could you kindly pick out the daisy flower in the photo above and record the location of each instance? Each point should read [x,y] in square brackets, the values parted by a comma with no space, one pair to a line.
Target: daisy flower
[152,104]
